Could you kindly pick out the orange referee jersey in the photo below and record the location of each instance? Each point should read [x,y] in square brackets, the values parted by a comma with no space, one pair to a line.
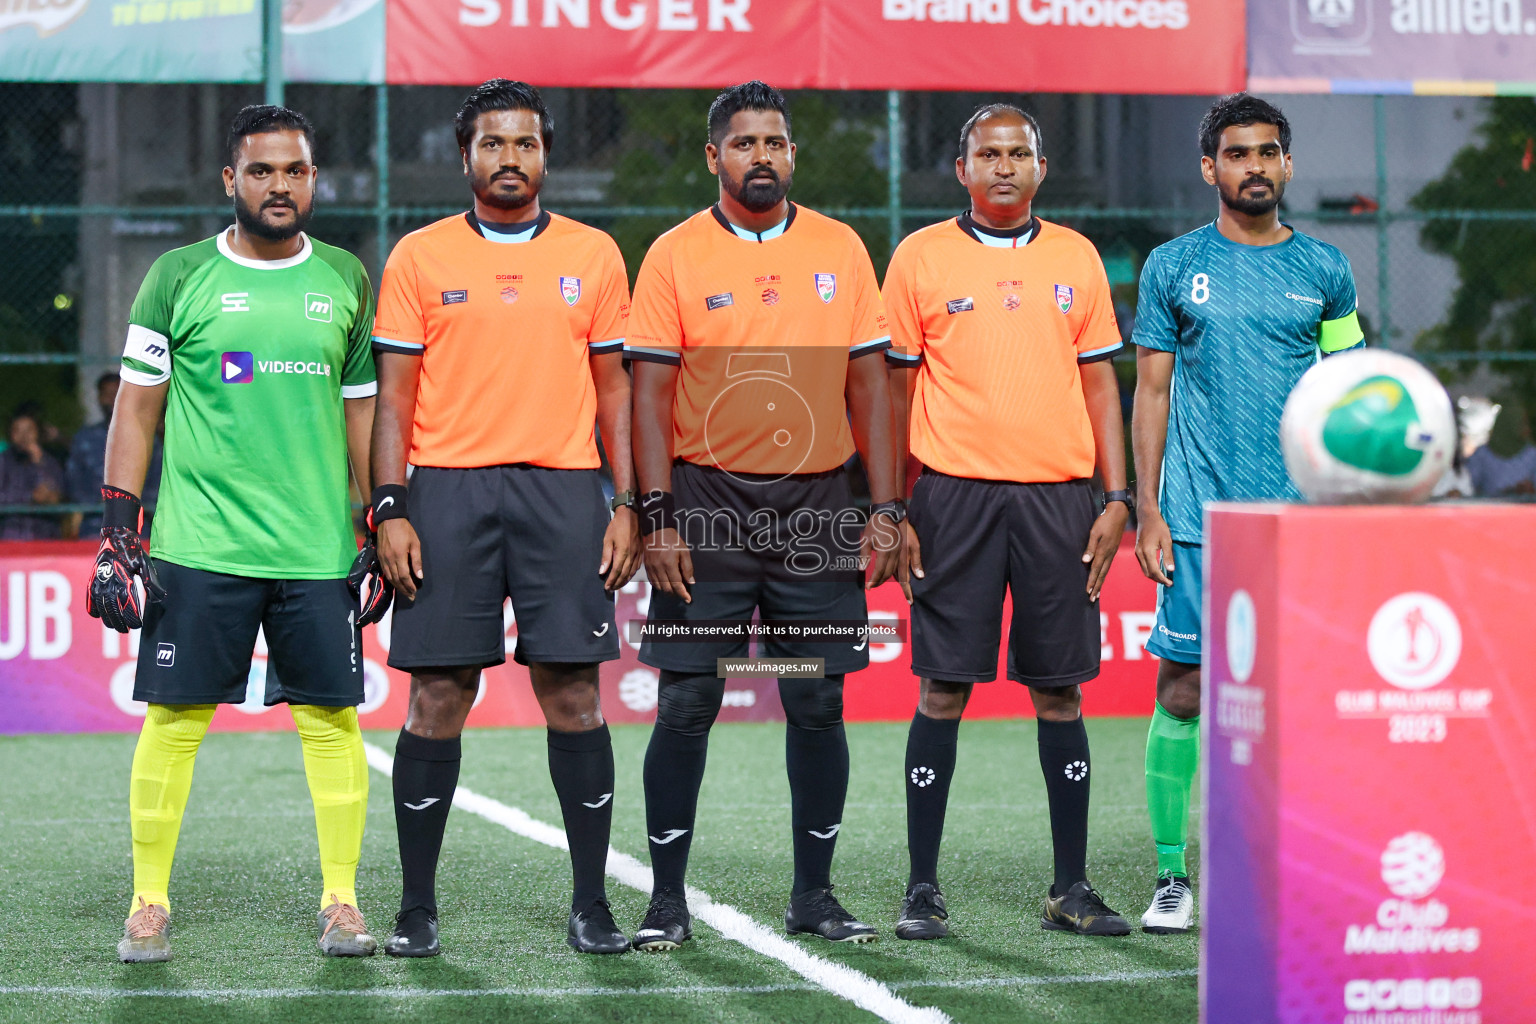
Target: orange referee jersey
[504,332]
[763,328]
[997,327]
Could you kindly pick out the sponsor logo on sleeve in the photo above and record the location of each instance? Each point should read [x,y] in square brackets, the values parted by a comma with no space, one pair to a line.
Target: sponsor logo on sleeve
[964,305]
[720,301]
[458,295]
[317,307]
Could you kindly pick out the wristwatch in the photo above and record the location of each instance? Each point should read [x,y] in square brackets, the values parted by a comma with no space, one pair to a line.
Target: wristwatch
[1121,496]
[623,499]
[895,510]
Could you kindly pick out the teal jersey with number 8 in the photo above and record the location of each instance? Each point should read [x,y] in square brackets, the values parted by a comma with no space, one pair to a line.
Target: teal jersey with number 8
[1243,322]
[259,355]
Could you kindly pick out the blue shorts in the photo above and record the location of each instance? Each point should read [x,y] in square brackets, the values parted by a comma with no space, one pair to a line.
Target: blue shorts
[1176,633]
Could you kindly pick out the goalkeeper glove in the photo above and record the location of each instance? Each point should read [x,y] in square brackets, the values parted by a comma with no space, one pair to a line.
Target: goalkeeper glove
[120,558]
[370,589]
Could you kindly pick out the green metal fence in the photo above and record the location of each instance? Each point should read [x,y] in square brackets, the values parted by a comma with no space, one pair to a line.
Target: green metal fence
[101,178]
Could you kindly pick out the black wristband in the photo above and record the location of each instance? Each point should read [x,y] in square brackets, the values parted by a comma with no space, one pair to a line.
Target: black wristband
[1123,496]
[658,511]
[122,508]
[388,503]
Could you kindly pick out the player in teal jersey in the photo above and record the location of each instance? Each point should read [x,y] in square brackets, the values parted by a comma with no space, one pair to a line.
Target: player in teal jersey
[1228,318]
[255,345]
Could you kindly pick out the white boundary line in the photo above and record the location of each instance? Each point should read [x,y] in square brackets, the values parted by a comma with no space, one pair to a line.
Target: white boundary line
[859,989]
[417,992]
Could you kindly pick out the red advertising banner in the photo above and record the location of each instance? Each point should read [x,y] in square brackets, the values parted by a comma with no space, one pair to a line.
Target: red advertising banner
[1117,46]
[63,671]
[1369,734]
[1101,46]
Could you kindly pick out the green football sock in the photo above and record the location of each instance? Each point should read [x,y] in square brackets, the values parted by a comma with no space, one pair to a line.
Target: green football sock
[1173,757]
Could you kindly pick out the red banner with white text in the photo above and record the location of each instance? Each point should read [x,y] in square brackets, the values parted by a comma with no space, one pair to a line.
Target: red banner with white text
[1108,46]
[63,671]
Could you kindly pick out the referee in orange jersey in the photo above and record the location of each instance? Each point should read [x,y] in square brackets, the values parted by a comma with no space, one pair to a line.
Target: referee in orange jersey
[1003,328]
[756,343]
[499,341]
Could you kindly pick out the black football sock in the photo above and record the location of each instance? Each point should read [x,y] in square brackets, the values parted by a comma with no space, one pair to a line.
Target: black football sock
[817,761]
[581,765]
[1064,760]
[426,774]
[931,745]
[674,769]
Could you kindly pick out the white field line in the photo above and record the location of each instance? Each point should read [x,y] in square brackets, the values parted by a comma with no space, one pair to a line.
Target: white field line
[417,992]
[859,989]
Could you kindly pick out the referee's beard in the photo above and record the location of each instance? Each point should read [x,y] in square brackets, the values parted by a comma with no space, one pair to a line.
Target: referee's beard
[759,190]
[486,192]
[253,223]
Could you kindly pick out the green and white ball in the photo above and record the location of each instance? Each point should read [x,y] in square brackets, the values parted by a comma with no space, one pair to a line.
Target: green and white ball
[1368,426]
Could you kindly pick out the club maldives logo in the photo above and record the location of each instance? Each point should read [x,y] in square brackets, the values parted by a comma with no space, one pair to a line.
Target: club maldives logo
[1064,298]
[570,290]
[237,368]
[1412,865]
[47,16]
[1414,641]
[826,286]
[1412,868]
[638,689]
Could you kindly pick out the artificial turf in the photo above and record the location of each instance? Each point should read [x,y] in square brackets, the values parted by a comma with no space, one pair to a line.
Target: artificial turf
[246,885]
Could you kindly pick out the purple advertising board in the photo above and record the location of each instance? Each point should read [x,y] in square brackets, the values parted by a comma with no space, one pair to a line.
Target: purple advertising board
[1425,47]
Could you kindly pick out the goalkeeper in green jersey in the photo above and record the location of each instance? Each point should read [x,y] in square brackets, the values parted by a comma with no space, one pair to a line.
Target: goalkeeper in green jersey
[254,344]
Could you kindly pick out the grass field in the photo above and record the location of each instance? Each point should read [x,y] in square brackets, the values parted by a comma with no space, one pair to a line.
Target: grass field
[247,879]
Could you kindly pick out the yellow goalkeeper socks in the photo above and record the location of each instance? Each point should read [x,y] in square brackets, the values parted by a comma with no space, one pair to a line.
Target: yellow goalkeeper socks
[157,793]
[337,771]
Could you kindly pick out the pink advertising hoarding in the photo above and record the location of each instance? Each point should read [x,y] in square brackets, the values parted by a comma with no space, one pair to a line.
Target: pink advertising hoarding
[62,671]
[1369,737]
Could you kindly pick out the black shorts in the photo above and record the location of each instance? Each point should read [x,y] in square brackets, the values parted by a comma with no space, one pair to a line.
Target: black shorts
[523,532]
[197,643]
[979,537]
[800,576]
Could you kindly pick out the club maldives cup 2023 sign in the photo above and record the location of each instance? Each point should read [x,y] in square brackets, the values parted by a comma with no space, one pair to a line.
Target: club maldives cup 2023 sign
[1113,46]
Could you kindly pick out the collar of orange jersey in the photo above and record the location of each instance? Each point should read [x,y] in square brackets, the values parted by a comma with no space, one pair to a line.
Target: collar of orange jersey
[520,232]
[747,234]
[1011,238]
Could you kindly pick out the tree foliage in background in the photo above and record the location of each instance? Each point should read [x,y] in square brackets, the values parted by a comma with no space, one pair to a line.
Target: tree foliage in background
[662,164]
[1494,306]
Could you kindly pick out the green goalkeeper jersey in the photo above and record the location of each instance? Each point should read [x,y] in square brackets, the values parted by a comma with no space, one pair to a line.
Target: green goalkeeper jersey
[259,355]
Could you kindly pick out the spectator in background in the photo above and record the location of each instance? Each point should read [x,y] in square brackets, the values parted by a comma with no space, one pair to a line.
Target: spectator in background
[1491,475]
[29,476]
[49,437]
[86,455]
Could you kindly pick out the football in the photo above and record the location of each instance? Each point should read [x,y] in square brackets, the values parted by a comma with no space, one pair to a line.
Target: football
[1368,426]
